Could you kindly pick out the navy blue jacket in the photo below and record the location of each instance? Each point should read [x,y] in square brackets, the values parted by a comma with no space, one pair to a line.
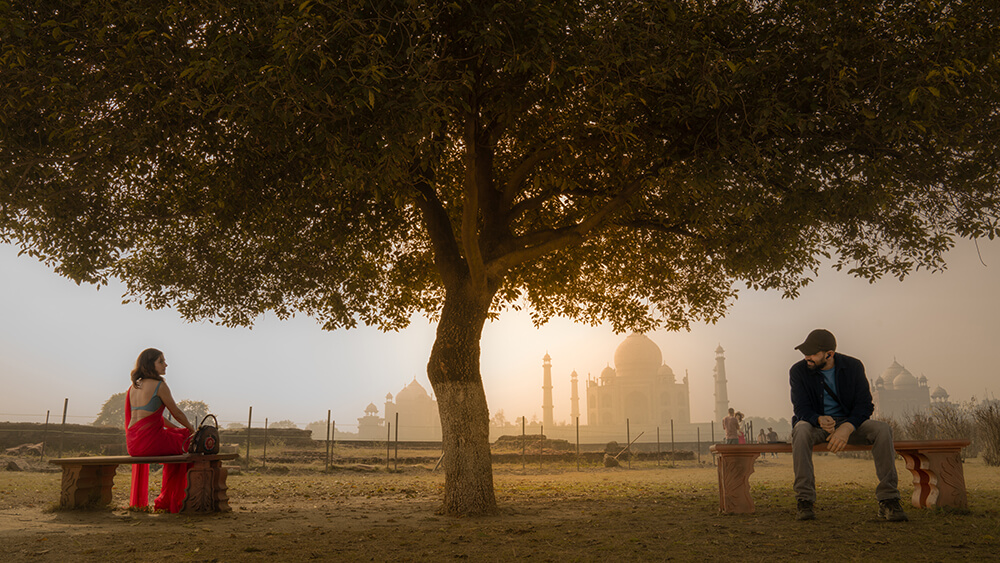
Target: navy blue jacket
[852,388]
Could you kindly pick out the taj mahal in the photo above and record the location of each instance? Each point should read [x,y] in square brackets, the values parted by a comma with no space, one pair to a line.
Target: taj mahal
[639,393]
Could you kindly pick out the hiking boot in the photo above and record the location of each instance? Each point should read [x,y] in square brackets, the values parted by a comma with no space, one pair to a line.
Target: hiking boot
[805,510]
[891,510]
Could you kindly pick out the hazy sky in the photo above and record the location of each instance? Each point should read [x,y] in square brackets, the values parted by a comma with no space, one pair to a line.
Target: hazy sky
[59,340]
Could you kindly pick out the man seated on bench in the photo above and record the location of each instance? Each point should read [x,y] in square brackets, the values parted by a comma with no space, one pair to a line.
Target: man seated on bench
[832,402]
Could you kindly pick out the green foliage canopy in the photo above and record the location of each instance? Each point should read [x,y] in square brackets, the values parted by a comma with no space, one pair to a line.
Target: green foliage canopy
[622,161]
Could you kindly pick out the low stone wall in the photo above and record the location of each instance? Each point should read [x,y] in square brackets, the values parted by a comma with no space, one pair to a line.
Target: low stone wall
[107,440]
[70,437]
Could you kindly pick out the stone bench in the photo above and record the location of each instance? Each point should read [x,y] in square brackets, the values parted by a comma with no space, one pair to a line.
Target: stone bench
[936,465]
[87,481]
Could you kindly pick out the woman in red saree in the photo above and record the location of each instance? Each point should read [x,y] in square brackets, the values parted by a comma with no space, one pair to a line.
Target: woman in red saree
[147,433]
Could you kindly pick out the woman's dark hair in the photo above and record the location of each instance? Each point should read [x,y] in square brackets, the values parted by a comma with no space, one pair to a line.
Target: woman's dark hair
[144,366]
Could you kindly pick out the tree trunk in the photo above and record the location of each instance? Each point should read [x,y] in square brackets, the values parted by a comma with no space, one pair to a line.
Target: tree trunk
[454,374]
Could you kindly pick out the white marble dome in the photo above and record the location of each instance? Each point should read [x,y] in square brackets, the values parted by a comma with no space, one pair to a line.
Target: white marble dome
[637,355]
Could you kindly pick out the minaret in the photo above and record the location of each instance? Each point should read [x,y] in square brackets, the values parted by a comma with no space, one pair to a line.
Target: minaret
[574,401]
[547,391]
[721,397]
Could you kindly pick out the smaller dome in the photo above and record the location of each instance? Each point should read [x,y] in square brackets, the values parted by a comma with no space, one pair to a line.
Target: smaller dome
[879,383]
[388,396]
[573,375]
[719,350]
[939,393]
[371,409]
[607,373]
[922,380]
[666,372]
[546,357]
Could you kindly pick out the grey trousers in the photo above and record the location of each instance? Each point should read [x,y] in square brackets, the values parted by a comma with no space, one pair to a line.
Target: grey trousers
[871,432]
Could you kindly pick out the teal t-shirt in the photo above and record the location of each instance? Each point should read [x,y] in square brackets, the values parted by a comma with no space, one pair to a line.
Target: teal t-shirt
[830,406]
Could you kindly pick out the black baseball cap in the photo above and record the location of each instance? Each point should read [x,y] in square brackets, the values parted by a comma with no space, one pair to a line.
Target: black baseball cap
[819,340]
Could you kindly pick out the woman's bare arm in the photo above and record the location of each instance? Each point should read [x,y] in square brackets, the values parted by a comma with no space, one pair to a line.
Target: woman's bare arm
[176,412]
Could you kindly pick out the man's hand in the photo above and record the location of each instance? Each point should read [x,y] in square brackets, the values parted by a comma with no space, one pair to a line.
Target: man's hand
[827,423]
[838,439]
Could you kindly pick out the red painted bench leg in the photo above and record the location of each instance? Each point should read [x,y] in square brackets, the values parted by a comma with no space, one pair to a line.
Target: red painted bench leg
[734,482]
[938,479]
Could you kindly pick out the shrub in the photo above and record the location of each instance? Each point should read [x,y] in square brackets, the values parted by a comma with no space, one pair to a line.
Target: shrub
[920,426]
[987,415]
[956,422]
[898,432]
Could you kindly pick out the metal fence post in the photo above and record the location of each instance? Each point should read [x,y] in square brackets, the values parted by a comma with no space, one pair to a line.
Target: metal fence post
[264,458]
[673,454]
[249,422]
[62,431]
[541,440]
[45,434]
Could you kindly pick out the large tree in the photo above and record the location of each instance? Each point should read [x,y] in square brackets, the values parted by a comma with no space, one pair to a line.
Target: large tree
[633,162]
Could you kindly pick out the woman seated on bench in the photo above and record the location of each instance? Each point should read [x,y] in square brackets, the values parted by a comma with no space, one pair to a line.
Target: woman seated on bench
[147,433]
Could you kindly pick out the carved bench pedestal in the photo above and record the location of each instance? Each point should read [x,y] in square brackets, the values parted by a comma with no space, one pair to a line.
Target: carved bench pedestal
[936,465]
[87,481]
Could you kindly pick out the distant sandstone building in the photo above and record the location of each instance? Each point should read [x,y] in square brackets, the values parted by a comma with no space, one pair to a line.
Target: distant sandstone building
[418,417]
[898,394]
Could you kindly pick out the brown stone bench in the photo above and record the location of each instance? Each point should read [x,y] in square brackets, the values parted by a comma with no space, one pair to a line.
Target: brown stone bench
[87,481]
[936,465]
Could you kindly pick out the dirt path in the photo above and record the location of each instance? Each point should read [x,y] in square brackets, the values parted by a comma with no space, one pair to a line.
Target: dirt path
[599,514]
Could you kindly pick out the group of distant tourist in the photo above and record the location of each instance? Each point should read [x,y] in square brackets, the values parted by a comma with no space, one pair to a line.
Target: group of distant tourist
[832,403]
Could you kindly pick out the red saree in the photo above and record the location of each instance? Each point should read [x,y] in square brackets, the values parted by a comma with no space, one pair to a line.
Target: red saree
[149,436]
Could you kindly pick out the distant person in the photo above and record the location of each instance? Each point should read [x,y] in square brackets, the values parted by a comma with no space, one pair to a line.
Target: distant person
[147,433]
[741,437]
[832,403]
[772,438]
[761,438]
[732,427]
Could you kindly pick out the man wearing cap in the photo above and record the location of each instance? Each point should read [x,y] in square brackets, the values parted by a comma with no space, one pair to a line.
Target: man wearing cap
[832,403]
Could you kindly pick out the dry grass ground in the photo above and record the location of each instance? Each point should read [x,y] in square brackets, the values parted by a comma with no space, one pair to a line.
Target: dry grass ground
[647,513]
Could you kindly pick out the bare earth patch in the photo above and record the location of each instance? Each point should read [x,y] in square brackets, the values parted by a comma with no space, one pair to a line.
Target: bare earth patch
[645,513]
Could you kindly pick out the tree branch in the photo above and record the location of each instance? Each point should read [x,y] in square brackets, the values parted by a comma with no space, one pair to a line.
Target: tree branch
[561,238]
[522,171]
[474,172]
[447,255]
[675,229]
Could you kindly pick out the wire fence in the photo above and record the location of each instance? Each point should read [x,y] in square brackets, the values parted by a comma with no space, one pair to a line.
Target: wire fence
[252,440]
[51,434]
